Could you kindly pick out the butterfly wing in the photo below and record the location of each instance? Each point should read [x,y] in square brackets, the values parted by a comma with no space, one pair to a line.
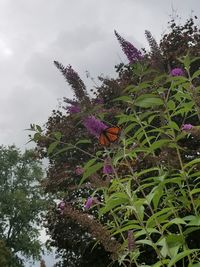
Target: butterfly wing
[109,135]
[103,140]
[113,130]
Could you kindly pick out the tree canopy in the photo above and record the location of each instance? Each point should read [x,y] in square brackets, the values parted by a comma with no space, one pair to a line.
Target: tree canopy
[22,203]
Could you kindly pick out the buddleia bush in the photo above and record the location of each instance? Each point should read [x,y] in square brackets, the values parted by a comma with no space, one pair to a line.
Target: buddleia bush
[134,202]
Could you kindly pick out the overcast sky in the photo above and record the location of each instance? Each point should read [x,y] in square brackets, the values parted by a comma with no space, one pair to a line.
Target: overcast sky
[33,33]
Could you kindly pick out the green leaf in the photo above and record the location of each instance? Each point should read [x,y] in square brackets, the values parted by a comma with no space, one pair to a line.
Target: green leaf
[148,101]
[173,125]
[195,221]
[90,163]
[146,242]
[126,228]
[52,147]
[165,211]
[90,170]
[160,263]
[159,144]
[38,128]
[171,105]
[60,151]
[186,61]
[194,265]
[192,162]
[36,137]
[57,135]
[174,242]
[83,141]
[195,191]
[181,255]
[158,193]
[173,221]
[124,98]
[144,232]
[117,199]
[196,74]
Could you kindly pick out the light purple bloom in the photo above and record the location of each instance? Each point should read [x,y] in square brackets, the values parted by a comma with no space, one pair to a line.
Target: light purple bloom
[98,101]
[94,126]
[177,72]
[107,168]
[61,206]
[79,170]
[132,53]
[74,80]
[73,109]
[186,127]
[130,240]
[89,202]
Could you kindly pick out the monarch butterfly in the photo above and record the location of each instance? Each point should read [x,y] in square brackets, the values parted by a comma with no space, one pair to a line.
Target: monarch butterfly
[109,135]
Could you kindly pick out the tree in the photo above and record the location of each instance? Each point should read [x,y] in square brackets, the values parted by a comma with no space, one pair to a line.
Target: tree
[5,255]
[21,203]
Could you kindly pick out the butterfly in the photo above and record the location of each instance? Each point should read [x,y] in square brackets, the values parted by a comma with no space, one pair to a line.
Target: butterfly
[109,135]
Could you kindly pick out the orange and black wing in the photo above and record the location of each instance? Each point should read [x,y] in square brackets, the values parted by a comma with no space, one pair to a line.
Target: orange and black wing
[109,135]
[103,140]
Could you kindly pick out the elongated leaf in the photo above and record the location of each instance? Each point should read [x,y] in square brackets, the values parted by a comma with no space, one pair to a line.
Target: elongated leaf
[114,201]
[90,170]
[181,255]
[144,232]
[36,137]
[146,242]
[148,101]
[192,162]
[57,135]
[196,74]
[60,151]
[124,98]
[151,220]
[126,228]
[159,144]
[173,125]
[195,221]
[52,147]
[160,263]
[174,221]
[171,105]
[83,141]
[195,191]
[194,265]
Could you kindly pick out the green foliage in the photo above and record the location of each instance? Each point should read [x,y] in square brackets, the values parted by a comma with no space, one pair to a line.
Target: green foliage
[21,203]
[5,255]
[150,203]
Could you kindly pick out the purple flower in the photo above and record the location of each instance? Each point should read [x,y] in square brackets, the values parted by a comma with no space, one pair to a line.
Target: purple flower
[130,240]
[74,80]
[94,126]
[61,206]
[177,72]
[79,170]
[107,168]
[89,202]
[98,101]
[73,109]
[132,53]
[186,127]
